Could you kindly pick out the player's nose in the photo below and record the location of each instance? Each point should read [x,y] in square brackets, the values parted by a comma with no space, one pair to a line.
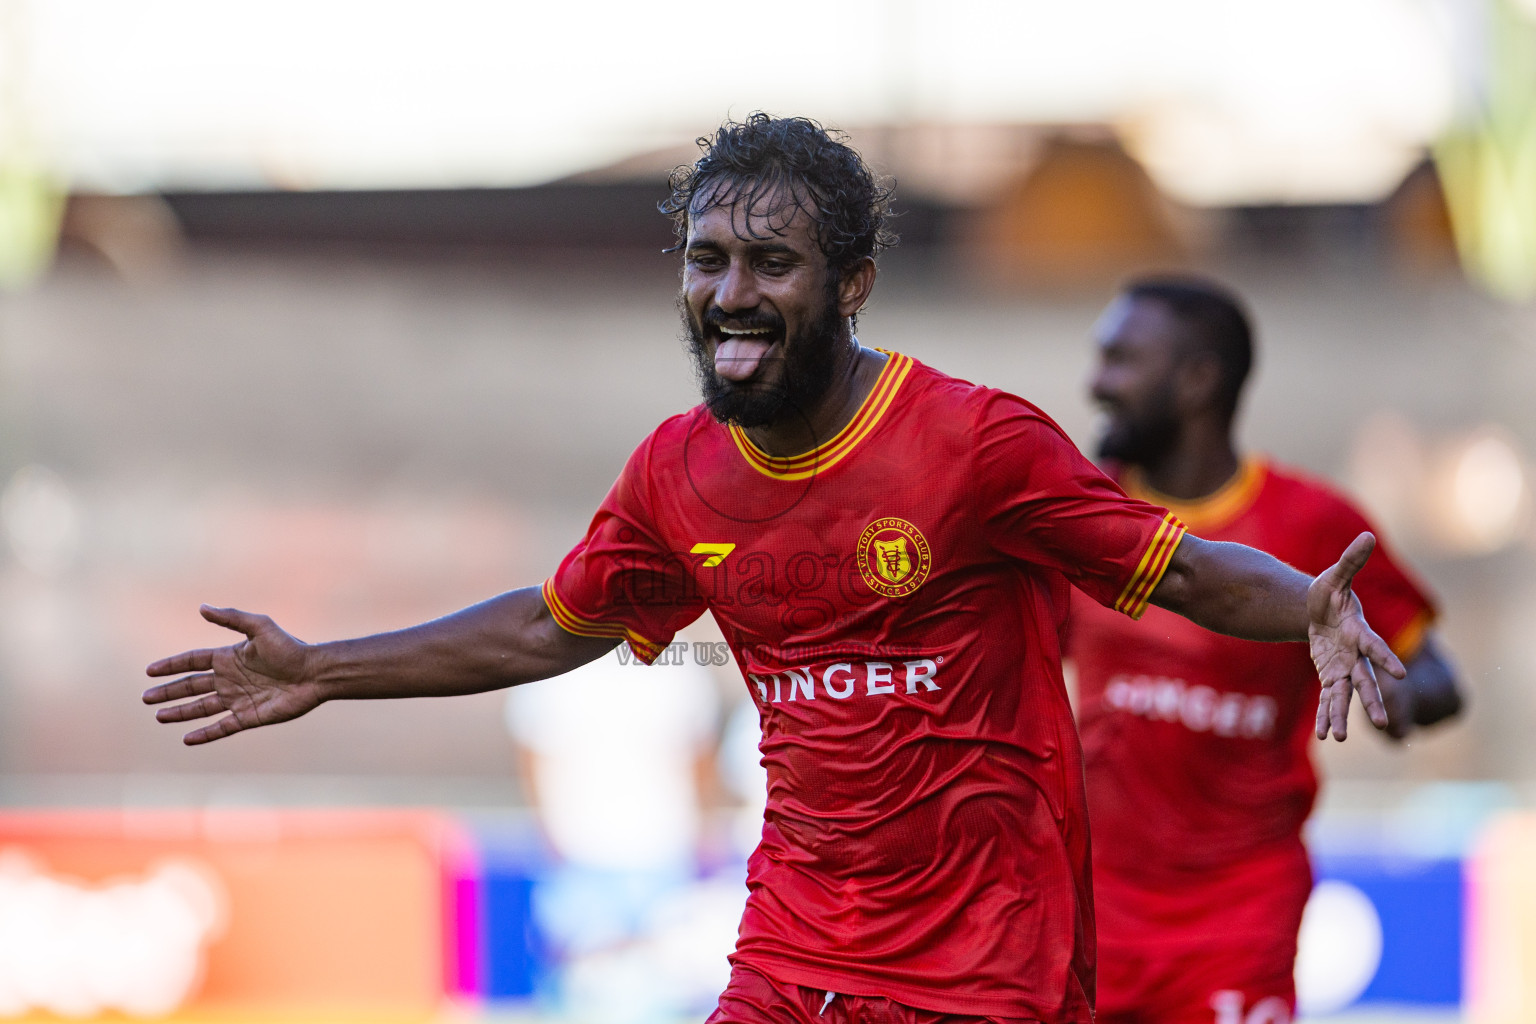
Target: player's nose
[738,289]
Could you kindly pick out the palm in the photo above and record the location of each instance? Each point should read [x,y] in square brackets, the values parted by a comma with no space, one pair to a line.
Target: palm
[259,681]
[1344,647]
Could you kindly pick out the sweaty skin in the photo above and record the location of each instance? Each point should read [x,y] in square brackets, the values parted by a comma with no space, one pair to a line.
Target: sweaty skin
[773,270]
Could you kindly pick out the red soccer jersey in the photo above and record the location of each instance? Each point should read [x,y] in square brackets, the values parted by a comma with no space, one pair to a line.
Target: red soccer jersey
[1197,745]
[894,599]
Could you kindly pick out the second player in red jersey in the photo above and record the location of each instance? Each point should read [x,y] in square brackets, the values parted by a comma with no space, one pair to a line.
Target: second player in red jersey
[1198,745]
[1199,767]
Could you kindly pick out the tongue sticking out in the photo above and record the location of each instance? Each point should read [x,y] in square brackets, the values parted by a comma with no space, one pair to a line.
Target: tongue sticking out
[738,358]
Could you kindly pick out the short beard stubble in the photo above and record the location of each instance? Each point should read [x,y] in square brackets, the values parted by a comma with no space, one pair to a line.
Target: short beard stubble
[1140,439]
[810,362]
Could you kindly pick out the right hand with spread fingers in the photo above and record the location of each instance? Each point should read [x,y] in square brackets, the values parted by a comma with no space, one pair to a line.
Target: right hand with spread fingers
[261,680]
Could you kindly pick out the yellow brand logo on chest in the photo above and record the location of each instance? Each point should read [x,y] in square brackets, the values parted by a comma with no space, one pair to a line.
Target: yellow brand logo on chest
[715,553]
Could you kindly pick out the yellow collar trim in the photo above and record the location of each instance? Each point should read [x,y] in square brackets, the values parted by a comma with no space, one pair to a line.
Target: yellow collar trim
[825,456]
[1213,511]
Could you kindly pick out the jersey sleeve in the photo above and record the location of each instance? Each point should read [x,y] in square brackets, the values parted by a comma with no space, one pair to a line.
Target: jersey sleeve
[1042,502]
[1397,606]
[622,581]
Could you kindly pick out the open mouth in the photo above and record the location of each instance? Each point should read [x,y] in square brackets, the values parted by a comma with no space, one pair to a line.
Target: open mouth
[740,351]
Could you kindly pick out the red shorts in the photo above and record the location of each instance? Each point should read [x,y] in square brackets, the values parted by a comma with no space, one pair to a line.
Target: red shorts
[1239,984]
[1218,949]
[754,998]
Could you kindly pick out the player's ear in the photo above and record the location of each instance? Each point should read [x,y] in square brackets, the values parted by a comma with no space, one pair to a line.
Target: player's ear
[854,286]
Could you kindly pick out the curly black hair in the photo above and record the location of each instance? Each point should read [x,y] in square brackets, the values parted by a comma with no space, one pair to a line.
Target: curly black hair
[773,166]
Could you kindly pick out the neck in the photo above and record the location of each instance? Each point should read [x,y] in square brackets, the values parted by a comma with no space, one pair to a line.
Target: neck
[1201,459]
[853,376]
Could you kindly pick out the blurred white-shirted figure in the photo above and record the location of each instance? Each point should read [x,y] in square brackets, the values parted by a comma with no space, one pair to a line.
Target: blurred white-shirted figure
[610,756]
[611,761]
[741,771]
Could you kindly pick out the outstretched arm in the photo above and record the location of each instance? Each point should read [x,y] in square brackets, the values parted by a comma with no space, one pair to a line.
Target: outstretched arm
[1246,593]
[272,677]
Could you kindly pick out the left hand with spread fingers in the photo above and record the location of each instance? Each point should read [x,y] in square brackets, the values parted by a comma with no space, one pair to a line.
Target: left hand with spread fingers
[1346,651]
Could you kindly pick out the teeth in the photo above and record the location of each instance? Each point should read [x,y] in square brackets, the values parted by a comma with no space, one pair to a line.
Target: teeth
[745,330]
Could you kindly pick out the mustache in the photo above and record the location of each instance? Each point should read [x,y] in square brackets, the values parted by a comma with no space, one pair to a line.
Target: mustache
[714,316]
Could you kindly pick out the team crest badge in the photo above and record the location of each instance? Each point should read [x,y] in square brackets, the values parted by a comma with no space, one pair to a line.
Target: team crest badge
[893,557]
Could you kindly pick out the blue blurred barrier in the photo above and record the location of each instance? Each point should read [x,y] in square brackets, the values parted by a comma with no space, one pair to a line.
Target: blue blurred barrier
[513,959]
[1383,930]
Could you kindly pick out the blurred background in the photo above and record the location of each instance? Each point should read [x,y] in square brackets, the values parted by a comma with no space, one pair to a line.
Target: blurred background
[350,313]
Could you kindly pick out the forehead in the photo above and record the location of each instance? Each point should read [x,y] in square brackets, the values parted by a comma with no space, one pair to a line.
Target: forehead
[725,218]
[1138,323]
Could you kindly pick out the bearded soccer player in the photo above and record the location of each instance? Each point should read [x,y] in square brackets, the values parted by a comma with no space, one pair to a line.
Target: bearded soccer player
[1196,745]
[889,552]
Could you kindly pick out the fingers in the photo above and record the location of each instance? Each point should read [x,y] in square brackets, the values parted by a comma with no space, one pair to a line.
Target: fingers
[201,686]
[226,726]
[1339,575]
[202,660]
[179,689]
[1363,678]
[234,618]
[212,704]
[1381,655]
[186,661]
[1336,698]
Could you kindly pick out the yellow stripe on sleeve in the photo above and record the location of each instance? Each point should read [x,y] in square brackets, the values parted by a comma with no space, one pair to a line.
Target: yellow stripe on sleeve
[1149,572]
[1155,572]
[1141,567]
[573,623]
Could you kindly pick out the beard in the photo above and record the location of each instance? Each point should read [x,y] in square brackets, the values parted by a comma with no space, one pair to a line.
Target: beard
[1141,437]
[809,359]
